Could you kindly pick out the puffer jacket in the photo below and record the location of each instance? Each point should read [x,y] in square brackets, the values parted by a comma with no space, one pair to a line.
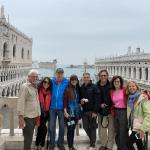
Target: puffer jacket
[141,112]
[57,93]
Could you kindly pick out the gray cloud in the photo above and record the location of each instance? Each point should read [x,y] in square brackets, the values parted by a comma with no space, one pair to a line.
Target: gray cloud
[71,30]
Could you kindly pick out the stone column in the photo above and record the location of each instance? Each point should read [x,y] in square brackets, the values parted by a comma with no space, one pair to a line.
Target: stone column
[112,70]
[137,73]
[127,72]
[149,74]
[123,71]
[132,73]
[11,122]
[143,74]
[119,70]
[115,71]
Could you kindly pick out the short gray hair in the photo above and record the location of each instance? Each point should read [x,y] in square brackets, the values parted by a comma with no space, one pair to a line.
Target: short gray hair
[32,71]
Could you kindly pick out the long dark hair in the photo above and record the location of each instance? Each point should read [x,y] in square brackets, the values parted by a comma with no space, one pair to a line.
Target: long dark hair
[70,91]
[41,84]
[113,79]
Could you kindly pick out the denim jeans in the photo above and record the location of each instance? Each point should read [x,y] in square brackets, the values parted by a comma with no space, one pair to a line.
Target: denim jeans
[53,118]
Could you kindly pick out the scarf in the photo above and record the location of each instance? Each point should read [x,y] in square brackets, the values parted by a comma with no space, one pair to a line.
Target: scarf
[45,99]
[73,103]
[131,99]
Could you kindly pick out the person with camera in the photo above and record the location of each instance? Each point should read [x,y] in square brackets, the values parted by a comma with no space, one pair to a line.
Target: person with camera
[89,116]
[103,106]
[71,103]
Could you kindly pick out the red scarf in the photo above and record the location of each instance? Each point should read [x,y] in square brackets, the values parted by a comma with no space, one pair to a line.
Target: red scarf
[44,103]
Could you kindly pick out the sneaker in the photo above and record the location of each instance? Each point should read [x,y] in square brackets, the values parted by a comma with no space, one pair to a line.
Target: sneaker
[103,148]
[51,147]
[88,147]
[61,146]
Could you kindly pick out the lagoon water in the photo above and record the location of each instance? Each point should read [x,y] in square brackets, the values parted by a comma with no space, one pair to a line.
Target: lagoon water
[67,71]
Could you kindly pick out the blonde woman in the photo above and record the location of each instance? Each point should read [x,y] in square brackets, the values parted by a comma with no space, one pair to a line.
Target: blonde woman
[138,112]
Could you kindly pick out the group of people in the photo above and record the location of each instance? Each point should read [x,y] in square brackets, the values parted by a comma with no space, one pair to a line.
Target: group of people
[122,113]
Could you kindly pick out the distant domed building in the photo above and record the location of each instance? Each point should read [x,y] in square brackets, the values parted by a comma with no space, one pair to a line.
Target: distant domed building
[15,57]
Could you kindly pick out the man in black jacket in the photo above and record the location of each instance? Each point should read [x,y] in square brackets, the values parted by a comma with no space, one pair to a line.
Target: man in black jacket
[88,103]
[103,106]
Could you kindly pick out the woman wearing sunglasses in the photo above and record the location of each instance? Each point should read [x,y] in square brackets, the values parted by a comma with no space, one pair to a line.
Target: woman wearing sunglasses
[44,91]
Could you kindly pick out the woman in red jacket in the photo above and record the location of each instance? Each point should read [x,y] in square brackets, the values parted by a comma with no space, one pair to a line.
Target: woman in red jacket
[119,100]
[44,91]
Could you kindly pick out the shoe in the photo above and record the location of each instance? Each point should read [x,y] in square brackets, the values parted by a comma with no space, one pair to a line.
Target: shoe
[88,147]
[72,148]
[92,148]
[51,147]
[103,148]
[42,148]
[37,147]
[109,149]
[61,146]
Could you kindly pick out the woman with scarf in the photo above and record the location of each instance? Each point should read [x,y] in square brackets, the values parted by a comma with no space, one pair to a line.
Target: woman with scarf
[44,91]
[138,112]
[71,102]
[119,100]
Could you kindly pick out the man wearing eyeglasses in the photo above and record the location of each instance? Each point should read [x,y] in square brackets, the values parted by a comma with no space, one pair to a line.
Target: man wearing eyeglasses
[103,106]
[89,116]
[28,107]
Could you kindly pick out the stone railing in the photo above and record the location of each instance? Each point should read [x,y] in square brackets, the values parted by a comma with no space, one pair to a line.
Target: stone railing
[11,104]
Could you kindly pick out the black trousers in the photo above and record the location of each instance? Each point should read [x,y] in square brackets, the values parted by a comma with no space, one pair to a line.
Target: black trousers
[121,129]
[133,139]
[70,135]
[89,125]
[28,132]
[42,129]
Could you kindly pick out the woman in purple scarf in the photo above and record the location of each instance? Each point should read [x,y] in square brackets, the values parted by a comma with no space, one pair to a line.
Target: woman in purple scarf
[138,112]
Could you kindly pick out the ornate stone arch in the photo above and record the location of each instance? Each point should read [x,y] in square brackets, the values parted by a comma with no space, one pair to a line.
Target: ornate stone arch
[4,92]
[5,49]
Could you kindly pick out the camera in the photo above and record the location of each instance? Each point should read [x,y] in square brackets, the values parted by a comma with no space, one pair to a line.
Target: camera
[105,111]
[85,100]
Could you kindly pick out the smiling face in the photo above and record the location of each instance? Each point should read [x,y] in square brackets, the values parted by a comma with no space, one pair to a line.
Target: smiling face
[59,76]
[103,77]
[46,83]
[33,78]
[74,82]
[132,87]
[86,78]
[117,83]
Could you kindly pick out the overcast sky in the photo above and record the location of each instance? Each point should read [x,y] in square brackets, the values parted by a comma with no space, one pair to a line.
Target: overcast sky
[72,30]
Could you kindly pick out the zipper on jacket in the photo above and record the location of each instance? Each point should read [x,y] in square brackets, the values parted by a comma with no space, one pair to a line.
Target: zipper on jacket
[57,94]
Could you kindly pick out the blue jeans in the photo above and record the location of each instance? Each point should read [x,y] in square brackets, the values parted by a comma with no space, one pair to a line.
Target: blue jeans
[53,117]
